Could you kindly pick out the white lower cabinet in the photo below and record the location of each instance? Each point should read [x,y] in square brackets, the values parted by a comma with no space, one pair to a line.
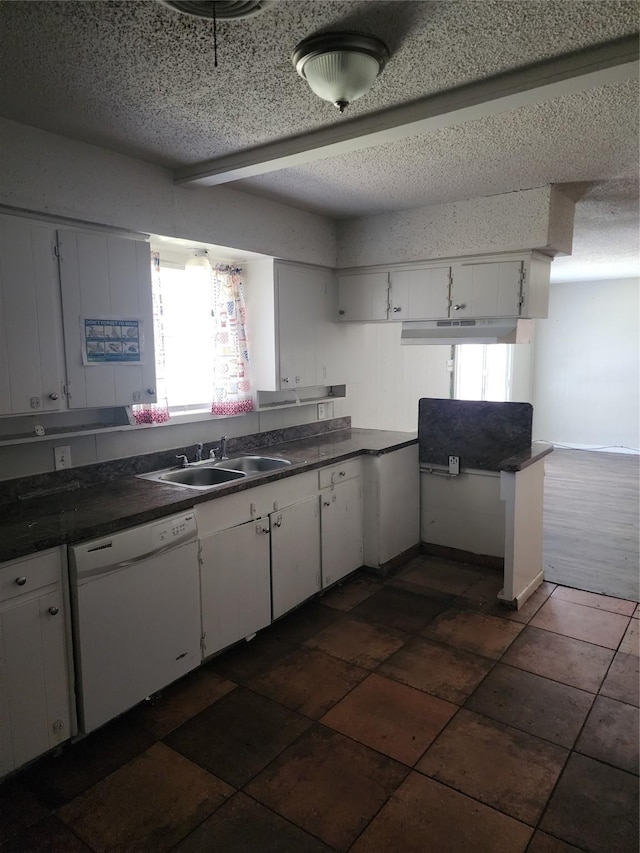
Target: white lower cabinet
[35,707]
[341,508]
[295,555]
[235,584]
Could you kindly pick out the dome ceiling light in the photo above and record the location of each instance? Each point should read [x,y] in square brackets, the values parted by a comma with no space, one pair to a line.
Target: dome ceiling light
[219,9]
[198,263]
[340,67]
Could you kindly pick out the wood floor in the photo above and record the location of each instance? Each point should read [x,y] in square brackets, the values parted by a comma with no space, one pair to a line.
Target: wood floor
[591,521]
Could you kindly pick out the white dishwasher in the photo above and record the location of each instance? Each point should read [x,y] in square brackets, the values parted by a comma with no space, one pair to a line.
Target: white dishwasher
[135,600]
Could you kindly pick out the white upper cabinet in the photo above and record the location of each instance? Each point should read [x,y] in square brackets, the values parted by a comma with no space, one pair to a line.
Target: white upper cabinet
[106,277]
[514,285]
[416,294]
[363,297]
[31,354]
[292,337]
[490,289]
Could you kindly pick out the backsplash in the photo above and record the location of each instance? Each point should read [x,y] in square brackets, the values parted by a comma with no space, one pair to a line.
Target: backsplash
[38,485]
[482,434]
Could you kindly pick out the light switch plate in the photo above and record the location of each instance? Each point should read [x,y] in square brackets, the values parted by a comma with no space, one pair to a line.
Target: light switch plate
[454,465]
[62,457]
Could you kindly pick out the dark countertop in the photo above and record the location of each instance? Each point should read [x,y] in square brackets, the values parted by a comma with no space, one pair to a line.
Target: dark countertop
[523,459]
[67,517]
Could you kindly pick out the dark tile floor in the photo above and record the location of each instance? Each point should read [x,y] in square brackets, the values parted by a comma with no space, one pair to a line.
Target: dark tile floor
[412,715]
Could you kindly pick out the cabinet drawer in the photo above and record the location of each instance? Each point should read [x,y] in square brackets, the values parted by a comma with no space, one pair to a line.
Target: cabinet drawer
[339,473]
[29,573]
[224,512]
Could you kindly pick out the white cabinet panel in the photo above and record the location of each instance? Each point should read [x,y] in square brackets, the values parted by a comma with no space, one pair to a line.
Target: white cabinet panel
[363,297]
[341,523]
[31,355]
[290,320]
[391,505]
[420,294]
[295,555]
[301,295]
[34,696]
[103,276]
[235,584]
[486,289]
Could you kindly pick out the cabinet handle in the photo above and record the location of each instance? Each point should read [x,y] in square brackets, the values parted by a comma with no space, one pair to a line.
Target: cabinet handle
[397,310]
[53,611]
[21,581]
[342,474]
[285,379]
[53,396]
[326,503]
[458,307]
[151,390]
[341,311]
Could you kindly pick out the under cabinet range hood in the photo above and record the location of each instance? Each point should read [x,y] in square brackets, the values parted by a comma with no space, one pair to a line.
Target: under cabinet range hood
[429,332]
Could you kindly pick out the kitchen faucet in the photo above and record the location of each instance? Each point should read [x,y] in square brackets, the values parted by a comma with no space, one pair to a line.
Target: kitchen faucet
[219,451]
[199,451]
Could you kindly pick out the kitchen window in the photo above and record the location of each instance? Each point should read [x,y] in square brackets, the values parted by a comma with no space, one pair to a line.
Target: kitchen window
[200,346]
[483,372]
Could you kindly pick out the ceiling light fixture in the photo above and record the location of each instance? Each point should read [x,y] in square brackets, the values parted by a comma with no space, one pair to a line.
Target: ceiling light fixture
[199,262]
[227,9]
[340,67]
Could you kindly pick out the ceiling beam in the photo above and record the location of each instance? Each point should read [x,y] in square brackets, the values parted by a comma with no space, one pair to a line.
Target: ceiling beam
[603,65]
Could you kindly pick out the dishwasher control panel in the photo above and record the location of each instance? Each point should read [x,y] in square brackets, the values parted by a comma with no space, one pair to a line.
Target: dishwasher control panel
[173,529]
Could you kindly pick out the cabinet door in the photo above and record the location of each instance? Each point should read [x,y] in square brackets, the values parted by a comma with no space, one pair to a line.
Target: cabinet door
[34,671]
[491,289]
[331,362]
[341,525]
[300,296]
[363,297]
[31,355]
[106,278]
[235,584]
[420,294]
[295,555]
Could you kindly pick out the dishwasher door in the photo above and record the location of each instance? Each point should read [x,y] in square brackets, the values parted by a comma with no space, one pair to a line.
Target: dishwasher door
[136,615]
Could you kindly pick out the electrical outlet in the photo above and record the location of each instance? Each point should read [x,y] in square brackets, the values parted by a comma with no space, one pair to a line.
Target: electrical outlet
[454,465]
[62,457]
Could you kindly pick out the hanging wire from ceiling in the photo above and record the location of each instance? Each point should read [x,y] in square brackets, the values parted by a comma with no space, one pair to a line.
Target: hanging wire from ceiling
[215,35]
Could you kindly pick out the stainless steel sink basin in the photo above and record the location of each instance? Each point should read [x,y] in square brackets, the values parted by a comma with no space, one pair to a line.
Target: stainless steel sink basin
[207,475]
[196,478]
[252,464]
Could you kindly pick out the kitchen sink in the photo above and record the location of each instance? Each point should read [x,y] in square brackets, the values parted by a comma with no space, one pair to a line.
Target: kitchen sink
[197,478]
[252,464]
[207,475]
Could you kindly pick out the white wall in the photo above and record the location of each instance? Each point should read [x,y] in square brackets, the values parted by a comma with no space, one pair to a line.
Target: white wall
[540,218]
[41,171]
[587,365]
[464,512]
[385,380]
[46,173]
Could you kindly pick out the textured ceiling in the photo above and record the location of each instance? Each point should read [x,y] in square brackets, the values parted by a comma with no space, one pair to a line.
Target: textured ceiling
[138,78]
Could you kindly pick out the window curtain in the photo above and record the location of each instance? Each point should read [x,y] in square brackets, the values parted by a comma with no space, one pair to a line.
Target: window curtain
[232,389]
[156,413]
